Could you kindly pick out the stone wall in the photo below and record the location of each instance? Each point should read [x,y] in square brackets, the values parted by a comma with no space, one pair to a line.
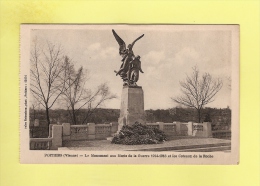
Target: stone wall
[53,142]
[91,131]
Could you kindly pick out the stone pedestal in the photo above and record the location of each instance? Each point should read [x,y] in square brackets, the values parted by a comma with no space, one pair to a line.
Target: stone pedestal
[132,106]
[56,137]
[65,131]
[91,131]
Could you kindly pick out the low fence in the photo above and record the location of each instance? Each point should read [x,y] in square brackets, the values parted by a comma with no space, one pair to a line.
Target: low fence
[168,128]
[59,133]
[91,131]
[202,129]
[184,129]
[53,142]
[222,134]
[40,143]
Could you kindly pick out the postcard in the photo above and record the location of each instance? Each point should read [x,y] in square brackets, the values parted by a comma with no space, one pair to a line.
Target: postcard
[129,94]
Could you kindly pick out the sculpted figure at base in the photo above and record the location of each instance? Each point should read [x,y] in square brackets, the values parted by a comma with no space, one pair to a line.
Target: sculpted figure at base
[128,69]
[135,67]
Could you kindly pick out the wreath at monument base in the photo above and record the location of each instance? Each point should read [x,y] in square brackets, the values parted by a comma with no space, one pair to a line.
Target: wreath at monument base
[138,134]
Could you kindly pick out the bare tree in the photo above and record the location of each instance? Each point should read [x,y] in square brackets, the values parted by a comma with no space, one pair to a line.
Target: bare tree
[35,107]
[101,95]
[47,66]
[197,92]
[78,97]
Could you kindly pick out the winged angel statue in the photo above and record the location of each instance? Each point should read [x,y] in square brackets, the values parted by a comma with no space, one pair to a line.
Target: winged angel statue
[131,64]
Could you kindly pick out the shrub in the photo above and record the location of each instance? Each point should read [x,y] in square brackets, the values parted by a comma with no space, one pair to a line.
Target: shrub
[138,134]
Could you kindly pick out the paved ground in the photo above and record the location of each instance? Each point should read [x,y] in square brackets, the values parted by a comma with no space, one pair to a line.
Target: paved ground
[176,144]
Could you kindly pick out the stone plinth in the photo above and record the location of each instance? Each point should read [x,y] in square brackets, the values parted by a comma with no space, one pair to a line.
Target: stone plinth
[56,137]
[65,131]
[91,131]
[132,106]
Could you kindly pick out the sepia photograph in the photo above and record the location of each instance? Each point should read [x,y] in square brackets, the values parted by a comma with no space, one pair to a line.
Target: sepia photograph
[164,94]
[129,94]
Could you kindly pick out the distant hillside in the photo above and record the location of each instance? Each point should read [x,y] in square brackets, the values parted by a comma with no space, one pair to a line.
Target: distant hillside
[218,117]
[100,115]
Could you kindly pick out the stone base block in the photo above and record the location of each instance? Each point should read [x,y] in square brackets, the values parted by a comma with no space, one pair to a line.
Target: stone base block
[132,106]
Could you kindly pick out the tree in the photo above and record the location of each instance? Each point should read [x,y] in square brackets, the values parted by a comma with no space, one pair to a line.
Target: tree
[100,95]
[77,97]
[47,67]
[207,118]
[197,92]
[35,107]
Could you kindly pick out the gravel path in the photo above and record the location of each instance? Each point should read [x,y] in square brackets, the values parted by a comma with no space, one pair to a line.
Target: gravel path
[105,145]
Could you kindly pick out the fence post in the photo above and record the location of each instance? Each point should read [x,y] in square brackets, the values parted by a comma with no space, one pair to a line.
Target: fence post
[50,130]
[65,131]
[91,131]
[178,127]
[161,124]
[190,128]
[208,131]
[56,137]
[114,128]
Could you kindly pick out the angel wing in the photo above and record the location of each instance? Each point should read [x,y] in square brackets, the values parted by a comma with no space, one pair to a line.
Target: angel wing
[137,40]
[122,46]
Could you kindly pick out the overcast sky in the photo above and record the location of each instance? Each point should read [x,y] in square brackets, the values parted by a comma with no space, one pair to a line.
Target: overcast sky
[168,54]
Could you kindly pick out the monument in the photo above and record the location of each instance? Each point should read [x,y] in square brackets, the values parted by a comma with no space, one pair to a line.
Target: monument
[132,99]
